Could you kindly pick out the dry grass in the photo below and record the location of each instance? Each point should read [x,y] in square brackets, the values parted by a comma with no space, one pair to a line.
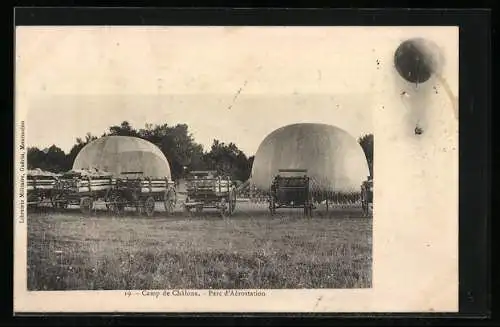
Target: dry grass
[69,252]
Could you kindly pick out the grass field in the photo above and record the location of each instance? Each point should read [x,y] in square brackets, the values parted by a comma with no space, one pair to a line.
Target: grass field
[67,251]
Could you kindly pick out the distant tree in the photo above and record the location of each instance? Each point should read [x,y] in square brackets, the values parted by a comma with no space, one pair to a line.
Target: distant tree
[366,142]
[176,142]
[124,129]
[228,159]
[52,159]
[36,158]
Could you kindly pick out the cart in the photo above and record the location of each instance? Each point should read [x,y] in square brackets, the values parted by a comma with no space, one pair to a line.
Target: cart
[207,189]
[82,188]
[367,196]
[40,186]
[134,190]
[291,191]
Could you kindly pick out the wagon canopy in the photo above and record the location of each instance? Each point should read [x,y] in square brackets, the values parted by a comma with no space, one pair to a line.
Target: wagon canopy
[334,160]
[119,154]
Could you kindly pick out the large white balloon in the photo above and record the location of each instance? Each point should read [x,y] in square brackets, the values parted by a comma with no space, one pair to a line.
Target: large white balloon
[333,158]
[118,154]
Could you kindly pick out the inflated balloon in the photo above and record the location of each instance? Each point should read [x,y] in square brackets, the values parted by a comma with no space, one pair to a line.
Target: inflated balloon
[333,158]
[118,154]
[416,60]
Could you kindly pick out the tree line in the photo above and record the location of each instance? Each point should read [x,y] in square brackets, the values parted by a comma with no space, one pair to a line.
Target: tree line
[178,145]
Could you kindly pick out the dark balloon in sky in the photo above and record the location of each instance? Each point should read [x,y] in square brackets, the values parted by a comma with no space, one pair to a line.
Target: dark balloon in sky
[416,60]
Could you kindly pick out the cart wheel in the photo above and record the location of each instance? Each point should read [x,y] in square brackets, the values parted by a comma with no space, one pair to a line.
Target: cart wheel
[310,210]
[230,206]
[53,202]
[86,205]
[119,206]
[310,205]
[149,206]
[223,209]
[368,212]
[232,201]
[109,205]
[272,206]
[186,210]
[139,208]
[57,203]
[116,206]
[169,200]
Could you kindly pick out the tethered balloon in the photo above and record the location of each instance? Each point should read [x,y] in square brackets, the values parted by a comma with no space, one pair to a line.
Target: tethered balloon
[416,60]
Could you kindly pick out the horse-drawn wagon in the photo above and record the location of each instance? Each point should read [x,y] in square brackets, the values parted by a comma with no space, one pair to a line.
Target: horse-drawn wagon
[40,187]
[134,190]
[83,188]
[290,188]
[207,189]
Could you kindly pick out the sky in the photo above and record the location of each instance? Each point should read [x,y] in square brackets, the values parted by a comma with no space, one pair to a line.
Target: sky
[234,84]
[60,119]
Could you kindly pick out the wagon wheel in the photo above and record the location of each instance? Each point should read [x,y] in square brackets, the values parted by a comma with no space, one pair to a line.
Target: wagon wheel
[367,212]
[109,202]
[57,203]
[272,205]
[364,203]
[187,211]
[53,202]
[117,206]
[149,206]
[139,207]
[86,205]
[229,208]
[169,200]
[232,201]
[64,205]
[107,197]
[223,208]
[308,209]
